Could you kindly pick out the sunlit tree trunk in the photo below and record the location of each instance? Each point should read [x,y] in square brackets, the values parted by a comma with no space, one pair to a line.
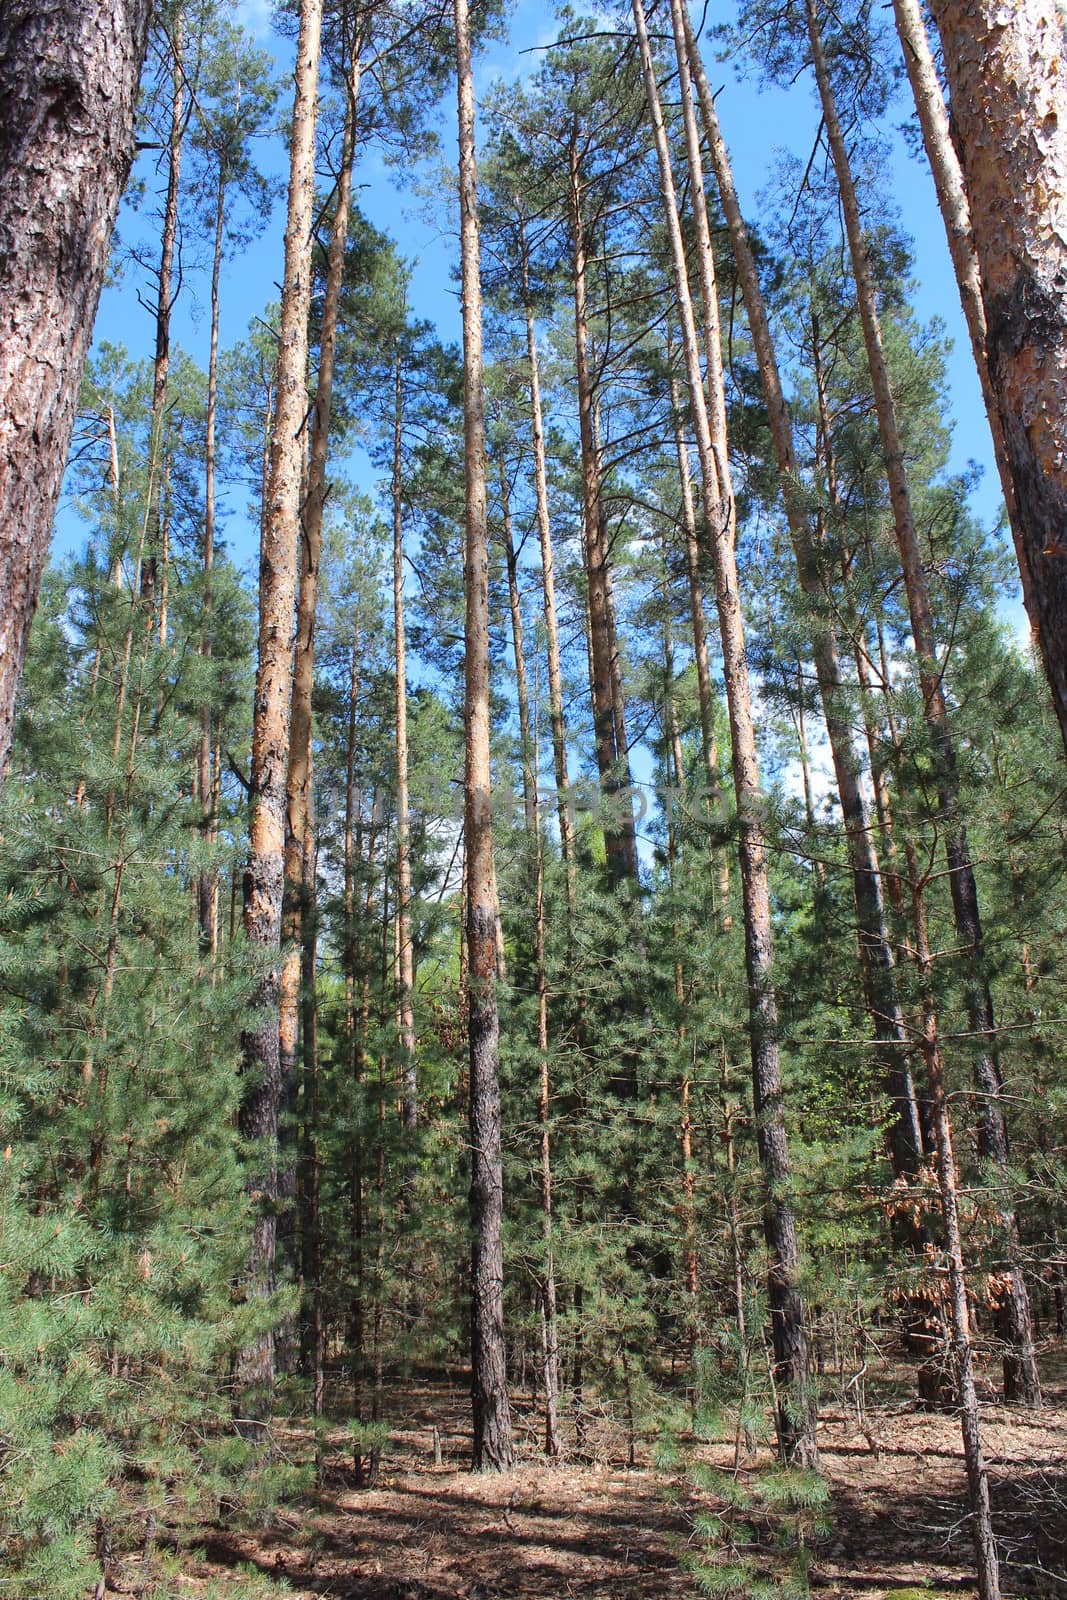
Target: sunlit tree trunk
[522,693]
[795,1412]
[709,744]
[265,873]
[548,585]
[532,818]
[493,1449]
[876,955]
[1021,1383]
[299,892]
[1004,66]
[955,210]
[619,838]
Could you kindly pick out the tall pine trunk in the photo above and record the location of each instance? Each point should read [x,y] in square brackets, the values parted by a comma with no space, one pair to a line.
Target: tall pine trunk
[876,955]
[493,1449]
[956,212]
[299,891]
[1021,1383]
[522,692]
[156,555]
[709,746]
[548,585]
[313,1329]
[264,877]
[535,842]
[674,768]
[620,840]
[405,951]
[795,1413]
[206,884]
[961,1349]
[1004,66]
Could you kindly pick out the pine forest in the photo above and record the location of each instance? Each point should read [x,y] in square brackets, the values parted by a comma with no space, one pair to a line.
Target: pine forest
[533,715]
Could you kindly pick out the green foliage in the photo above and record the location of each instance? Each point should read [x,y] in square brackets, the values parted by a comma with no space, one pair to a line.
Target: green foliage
[123,1215]
[121,1202]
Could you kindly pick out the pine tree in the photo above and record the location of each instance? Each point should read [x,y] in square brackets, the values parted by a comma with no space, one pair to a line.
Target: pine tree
[1004,88]
[264,879]
[493,1449]
[67,162]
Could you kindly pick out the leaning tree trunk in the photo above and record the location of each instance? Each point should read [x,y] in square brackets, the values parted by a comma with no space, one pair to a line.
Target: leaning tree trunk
[876,955]
[720,868]
[956,211]
[1021,1382]
[1004,66]
[493,1449]
[620,842]
[795,1413]
[264,877]
[68,88]
[961,1348]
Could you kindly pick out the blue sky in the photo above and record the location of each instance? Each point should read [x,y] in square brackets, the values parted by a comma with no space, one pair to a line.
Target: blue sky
[758,123]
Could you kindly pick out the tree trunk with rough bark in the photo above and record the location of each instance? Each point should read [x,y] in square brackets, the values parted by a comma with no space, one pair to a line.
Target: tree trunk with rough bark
[535,838]
[620,842]
[264,876]
[522,693]
[1004,65]
[956,212]
[960,1345]
[705,693]
[1021,1382]
[206,885]
[299,890]
[674,766]
[156,555]
[876,955]
[313,1328]
[405,951]
[795,1418]
[493,1448]
[69,73]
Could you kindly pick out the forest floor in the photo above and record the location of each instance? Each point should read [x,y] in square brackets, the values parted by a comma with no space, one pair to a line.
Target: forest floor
[607,1532]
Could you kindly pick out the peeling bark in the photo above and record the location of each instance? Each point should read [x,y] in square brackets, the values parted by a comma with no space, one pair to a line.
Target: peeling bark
[1005,70]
